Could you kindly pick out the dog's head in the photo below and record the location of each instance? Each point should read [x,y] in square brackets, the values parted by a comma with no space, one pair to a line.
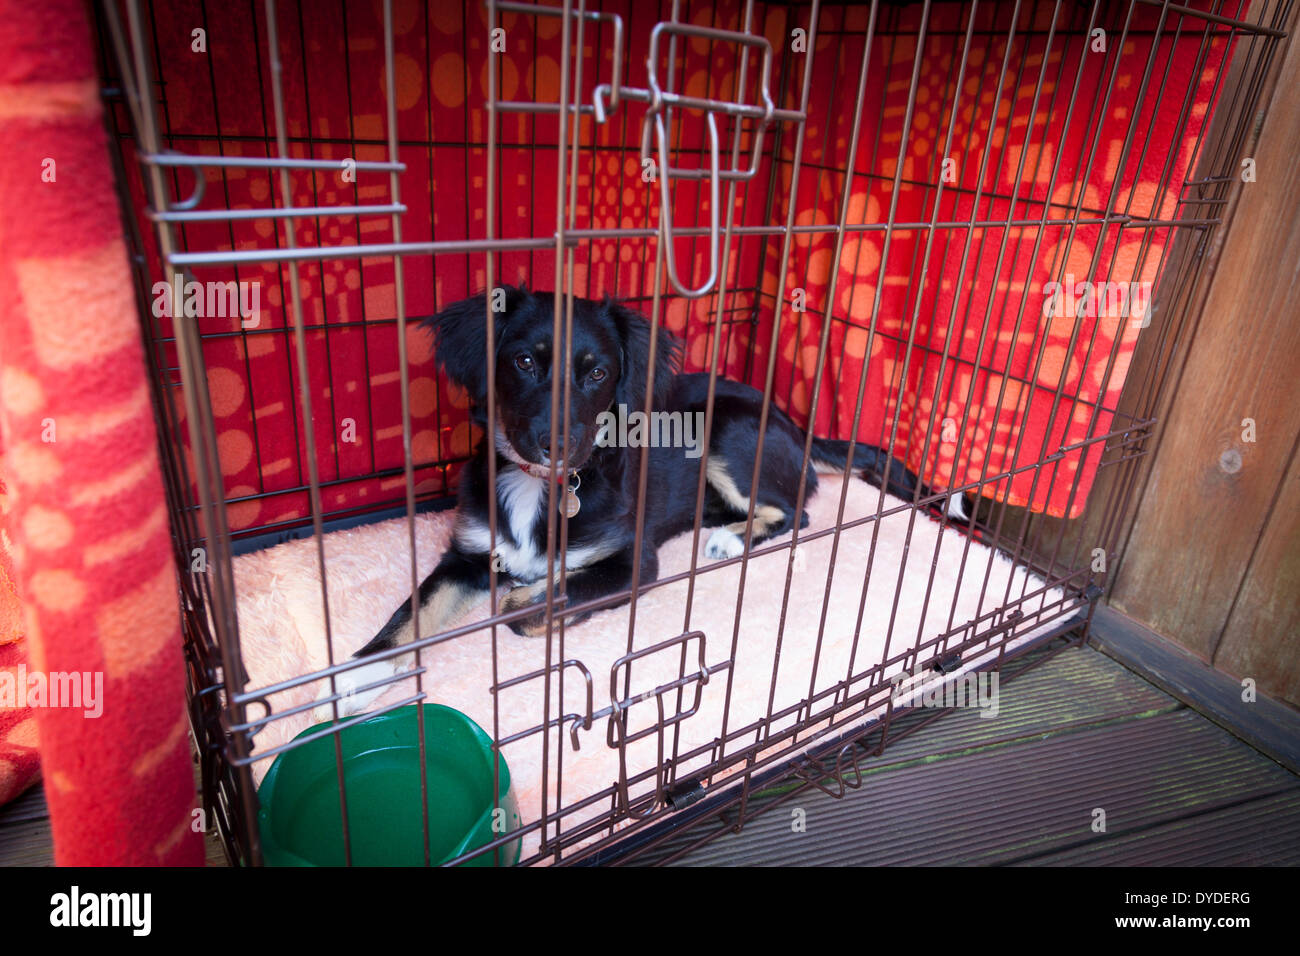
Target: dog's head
[606,362]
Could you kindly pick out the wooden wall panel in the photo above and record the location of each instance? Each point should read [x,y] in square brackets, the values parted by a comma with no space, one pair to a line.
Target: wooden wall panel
[1211,562]
[1262,636]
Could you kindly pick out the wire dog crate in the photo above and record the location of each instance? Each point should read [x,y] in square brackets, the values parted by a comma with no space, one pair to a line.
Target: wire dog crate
[854,208]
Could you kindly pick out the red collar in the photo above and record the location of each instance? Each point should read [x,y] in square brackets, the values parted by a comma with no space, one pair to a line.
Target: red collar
[544,471]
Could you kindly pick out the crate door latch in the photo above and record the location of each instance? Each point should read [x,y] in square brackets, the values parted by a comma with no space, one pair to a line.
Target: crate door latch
[658,114]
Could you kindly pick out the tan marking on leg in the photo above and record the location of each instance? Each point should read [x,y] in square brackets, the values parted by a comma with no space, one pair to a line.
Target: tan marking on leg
[448,602]
[526,595]
[720,480]
[531,595]
[766,517]
[523,596]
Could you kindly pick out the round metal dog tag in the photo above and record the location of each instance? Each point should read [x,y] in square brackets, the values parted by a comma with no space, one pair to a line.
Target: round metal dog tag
[571,503]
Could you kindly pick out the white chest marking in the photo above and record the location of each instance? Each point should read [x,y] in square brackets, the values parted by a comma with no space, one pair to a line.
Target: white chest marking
[523,503]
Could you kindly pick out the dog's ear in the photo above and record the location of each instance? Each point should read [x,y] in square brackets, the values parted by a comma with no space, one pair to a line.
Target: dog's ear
[460,338]
[634,330]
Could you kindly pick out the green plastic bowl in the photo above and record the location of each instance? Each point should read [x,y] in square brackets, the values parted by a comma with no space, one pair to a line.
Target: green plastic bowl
[301,825]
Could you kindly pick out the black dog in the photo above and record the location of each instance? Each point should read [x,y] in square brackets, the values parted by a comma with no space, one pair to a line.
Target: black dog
[606,363]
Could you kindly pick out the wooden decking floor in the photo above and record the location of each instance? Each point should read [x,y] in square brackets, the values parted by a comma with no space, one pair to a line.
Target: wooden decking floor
[1076,735]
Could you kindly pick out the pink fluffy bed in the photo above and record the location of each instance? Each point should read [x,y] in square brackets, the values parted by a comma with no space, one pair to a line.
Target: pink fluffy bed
[368,573]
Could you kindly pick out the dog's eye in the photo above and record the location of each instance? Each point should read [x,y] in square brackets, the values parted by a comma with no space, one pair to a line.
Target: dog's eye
[597,374]
[524,363]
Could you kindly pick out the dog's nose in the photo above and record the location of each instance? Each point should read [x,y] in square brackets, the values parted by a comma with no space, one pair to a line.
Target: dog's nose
[543,437]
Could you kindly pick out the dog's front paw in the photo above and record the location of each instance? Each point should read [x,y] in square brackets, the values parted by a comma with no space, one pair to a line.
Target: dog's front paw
[723,544]
[534,595]
[354,697]
[528,595]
